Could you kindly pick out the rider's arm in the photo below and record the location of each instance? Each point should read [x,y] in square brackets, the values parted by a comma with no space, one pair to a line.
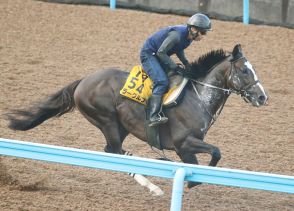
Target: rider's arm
[170,41]
[181,55]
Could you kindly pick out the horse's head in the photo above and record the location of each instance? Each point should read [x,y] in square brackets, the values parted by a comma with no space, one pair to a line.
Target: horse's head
[243,79]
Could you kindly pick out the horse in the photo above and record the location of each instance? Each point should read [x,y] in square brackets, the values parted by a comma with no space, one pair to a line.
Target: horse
[212,79]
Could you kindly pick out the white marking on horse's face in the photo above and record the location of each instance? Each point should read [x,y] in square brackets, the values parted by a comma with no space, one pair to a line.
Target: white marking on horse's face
[257,88]
[250,67]
[261,88]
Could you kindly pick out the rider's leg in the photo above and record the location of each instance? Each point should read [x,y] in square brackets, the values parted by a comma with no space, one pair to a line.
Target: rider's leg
[160,85]
[155,106]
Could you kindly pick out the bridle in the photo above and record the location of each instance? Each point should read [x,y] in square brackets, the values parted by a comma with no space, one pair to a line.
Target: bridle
[243,91]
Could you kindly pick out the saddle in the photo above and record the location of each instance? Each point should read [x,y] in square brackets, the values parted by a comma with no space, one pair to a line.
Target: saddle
[138,87]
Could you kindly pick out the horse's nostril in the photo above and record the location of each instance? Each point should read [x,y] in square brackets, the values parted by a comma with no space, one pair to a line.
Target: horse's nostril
[261,98]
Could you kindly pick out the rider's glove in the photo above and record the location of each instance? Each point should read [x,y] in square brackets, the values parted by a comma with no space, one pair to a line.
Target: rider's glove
[185,71]
[188,67]
[180,70]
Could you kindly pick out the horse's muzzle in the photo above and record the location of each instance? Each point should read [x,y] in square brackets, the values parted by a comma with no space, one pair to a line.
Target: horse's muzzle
[256,95]
[262,99]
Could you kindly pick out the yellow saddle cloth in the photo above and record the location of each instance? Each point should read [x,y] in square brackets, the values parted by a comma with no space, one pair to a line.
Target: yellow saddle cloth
[138,87]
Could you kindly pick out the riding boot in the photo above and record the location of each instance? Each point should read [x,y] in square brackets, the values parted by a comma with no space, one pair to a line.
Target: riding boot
[154,104]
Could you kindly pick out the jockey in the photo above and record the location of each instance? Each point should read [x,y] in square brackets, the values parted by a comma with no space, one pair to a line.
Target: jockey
[156,61]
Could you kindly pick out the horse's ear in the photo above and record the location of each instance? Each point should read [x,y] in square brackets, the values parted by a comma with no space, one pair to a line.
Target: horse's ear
[237,52]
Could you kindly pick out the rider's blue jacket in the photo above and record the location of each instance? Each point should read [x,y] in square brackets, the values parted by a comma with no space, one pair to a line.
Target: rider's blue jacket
[154,42]
[166,42]
[156,51]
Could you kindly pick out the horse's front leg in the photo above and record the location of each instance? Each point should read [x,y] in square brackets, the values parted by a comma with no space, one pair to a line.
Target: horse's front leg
[191,146]
[192,159]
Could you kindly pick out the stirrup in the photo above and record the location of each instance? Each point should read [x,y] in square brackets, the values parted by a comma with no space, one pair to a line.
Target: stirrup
[159,121]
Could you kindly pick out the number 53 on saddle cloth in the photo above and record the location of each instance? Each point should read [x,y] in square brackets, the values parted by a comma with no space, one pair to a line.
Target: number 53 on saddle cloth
[138,87]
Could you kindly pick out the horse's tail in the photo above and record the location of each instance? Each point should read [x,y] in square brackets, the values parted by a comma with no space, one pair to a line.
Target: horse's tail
[56,105]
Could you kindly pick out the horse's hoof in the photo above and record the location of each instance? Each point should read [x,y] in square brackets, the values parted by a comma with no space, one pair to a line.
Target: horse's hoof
[193,184]
[156,191]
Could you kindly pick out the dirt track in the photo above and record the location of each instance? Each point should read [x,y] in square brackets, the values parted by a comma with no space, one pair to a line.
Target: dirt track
[45,46]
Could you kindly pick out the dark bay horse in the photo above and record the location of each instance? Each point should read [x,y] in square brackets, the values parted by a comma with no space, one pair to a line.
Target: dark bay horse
[216,75]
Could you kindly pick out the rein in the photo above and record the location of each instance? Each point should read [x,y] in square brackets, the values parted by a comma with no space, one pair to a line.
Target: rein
[226,91]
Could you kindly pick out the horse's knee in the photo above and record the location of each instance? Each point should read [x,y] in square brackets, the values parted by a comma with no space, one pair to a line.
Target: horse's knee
[216,154]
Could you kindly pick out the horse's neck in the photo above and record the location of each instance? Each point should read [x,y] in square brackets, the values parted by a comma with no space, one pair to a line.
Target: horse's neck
[215,98]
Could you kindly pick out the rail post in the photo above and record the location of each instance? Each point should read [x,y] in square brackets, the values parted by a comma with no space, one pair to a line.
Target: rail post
[112,4]
[178,188]
[246,11]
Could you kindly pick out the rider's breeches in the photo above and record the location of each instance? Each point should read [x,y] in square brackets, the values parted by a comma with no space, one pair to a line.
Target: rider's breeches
[154,70]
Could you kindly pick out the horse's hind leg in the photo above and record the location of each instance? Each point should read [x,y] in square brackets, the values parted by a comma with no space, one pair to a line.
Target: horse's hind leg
[114,134]
[109,125]
[104,117]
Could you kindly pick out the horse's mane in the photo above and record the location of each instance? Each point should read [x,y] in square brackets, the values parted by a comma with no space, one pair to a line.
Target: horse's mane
[203,65]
